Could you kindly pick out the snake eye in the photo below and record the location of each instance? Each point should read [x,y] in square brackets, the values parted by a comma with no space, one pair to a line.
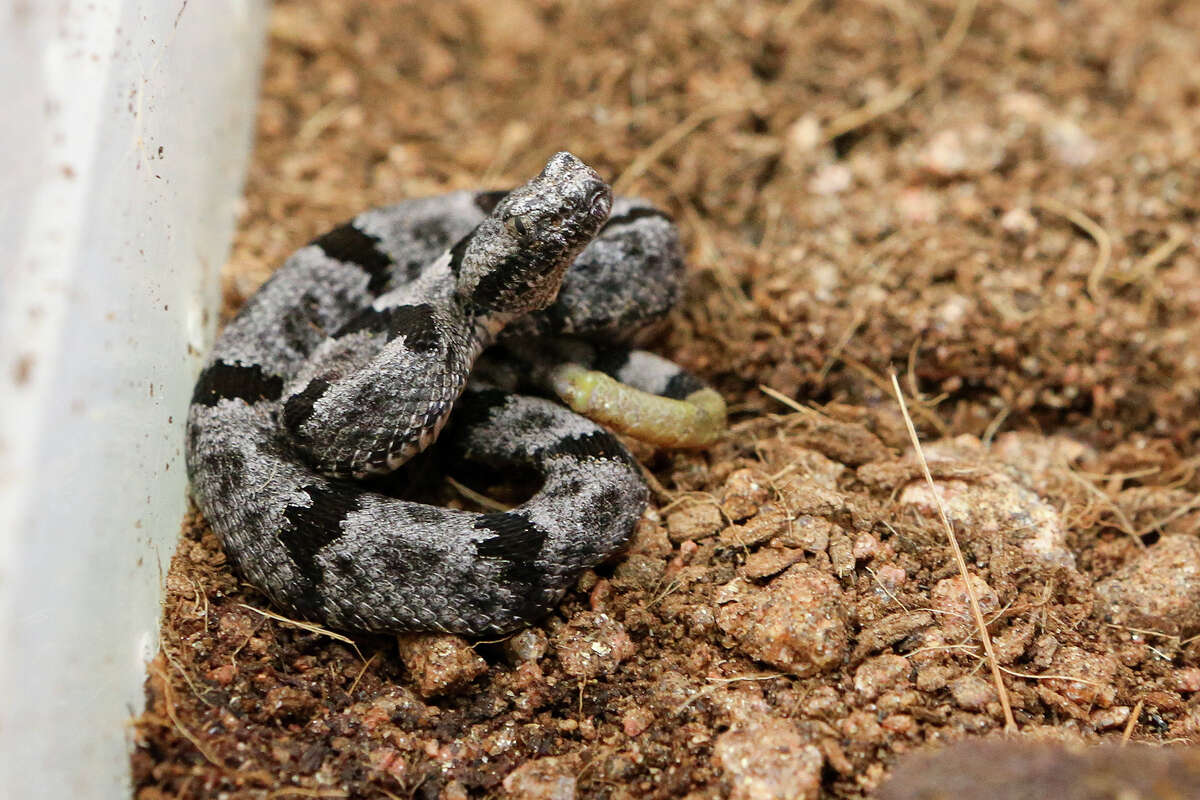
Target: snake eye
[597,201]
[523,227]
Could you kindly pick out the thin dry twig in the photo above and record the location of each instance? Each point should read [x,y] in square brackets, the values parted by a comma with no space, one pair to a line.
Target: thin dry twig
[710,254]
[1031,676]
[860,316]
[663,494]
[903,92]
[673,586]
[717,683]
[874,377]
[969,649]
[1093,229]
[166,651]
[886,591]
[477,498]
[916,18]
[701,498]
[361,672]
[993,427]
[780,397]
[672,137]
[298,791]
[1010,724]
[320,121]
[307,626]
[1186,508]
[1141,631]
[1147,263]
[169,704]
[1119,476]
[1133,718]
[1125,524]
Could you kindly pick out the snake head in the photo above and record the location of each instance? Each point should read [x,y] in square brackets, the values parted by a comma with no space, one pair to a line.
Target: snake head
[514,261]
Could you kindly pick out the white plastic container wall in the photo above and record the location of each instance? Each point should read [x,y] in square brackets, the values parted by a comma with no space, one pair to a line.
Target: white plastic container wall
[124,133]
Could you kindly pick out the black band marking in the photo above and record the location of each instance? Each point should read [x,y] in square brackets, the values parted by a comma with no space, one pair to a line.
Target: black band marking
[681,385]
[301,326]
[298,409]
[224,381]
[348,243]
[611,360]
[312,527]
[414,323]
[508,278]
[459,251]
[604,507]
[633,216]
[597,444]
[517,541]
[476,406]
[487,201]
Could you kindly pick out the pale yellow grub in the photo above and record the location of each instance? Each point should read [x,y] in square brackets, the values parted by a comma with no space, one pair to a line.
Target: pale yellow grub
[695,421]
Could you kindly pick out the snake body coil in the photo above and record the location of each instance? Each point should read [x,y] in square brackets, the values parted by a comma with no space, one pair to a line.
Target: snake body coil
[349,360]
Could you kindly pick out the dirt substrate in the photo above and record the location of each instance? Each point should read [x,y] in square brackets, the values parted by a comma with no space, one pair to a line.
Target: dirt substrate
[997,201]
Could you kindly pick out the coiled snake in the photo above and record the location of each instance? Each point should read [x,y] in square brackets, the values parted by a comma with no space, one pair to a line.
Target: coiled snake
[351,357]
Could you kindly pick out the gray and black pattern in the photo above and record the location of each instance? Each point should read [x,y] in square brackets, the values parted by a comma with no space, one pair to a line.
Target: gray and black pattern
[349,360]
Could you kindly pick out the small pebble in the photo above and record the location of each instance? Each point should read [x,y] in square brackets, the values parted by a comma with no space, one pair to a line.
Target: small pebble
[769,760]
[1187,679]
[831,179]
[650,538]
[439,663]
[972,692]
[804,134]
[639,572]
[770,521]
[635,721]
[394,704]
[952,605]
[692,523]
[745,491]
[222,675]
[1159,589]
[990,504]
[890,578]
[972,149]
[796,623]
[1069,143]
[1104,719]
[592,644]
[770,561]
[549,778]
[809,533]
[525,645]
[881,674]
[900,724]
[1018,223]
[290,704]
[1095,674]
[918,206]
[866,547]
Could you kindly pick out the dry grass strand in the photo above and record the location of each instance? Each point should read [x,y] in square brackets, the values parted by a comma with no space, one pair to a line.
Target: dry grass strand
[1010,724]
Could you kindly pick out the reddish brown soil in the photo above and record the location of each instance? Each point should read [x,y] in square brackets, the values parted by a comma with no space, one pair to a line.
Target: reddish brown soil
[998,201]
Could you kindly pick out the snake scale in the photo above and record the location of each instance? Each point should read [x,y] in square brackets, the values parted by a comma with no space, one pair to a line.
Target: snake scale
[350,358]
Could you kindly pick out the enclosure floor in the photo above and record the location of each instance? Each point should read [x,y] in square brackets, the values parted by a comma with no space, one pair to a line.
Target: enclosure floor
[998,201]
